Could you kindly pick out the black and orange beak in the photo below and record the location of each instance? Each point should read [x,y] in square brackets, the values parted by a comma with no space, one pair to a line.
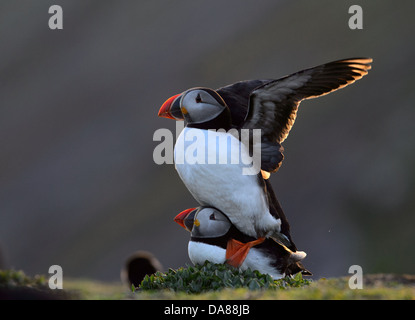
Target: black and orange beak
[186,218]
[170,109]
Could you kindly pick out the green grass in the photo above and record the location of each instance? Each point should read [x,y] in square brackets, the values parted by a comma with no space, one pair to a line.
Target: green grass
[17,278]
[214,277]
[218,283]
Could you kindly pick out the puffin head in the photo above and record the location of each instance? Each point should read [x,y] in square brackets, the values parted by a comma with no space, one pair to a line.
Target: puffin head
[210,223]
[197,106]
[204,222]
[200,105]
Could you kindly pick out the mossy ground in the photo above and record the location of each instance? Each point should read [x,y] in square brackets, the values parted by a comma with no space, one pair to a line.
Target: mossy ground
[377,286]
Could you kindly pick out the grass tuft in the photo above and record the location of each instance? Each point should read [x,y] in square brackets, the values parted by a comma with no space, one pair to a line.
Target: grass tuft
[16,285]
[214,277]
[17,278]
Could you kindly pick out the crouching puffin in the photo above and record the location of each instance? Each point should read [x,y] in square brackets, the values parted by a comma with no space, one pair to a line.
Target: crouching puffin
[268,105]
[214,238]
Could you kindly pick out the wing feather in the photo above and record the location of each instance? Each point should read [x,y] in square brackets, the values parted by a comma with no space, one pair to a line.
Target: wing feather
[273,105]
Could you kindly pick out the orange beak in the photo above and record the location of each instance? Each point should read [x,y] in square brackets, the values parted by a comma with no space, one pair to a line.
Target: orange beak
[164,111]
[181,216]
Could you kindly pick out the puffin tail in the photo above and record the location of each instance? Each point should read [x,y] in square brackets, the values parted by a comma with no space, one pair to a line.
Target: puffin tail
[297,256]
[296,266]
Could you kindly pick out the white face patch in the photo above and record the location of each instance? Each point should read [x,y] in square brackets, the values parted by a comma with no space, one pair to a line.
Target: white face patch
[200,105]
[210,223]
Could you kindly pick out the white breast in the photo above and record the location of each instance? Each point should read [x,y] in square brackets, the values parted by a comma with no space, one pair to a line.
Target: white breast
[199,252]
[214,176]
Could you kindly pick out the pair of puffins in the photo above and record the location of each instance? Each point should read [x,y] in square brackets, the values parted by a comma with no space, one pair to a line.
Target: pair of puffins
[239,220]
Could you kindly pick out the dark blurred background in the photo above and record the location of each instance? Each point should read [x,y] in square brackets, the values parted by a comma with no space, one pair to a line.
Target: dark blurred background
[78,110]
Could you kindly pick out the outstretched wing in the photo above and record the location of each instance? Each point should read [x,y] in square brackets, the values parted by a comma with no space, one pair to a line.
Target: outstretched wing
[273,105]
[236,96]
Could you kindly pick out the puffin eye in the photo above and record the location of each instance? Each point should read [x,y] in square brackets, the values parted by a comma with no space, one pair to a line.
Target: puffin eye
[198,98]
[212,217]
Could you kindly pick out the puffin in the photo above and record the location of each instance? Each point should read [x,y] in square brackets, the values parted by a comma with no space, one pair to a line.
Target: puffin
[214,238]
[238,188]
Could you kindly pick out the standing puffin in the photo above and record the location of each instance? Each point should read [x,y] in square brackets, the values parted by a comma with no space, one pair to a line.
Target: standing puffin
[268,105]
[214,238]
